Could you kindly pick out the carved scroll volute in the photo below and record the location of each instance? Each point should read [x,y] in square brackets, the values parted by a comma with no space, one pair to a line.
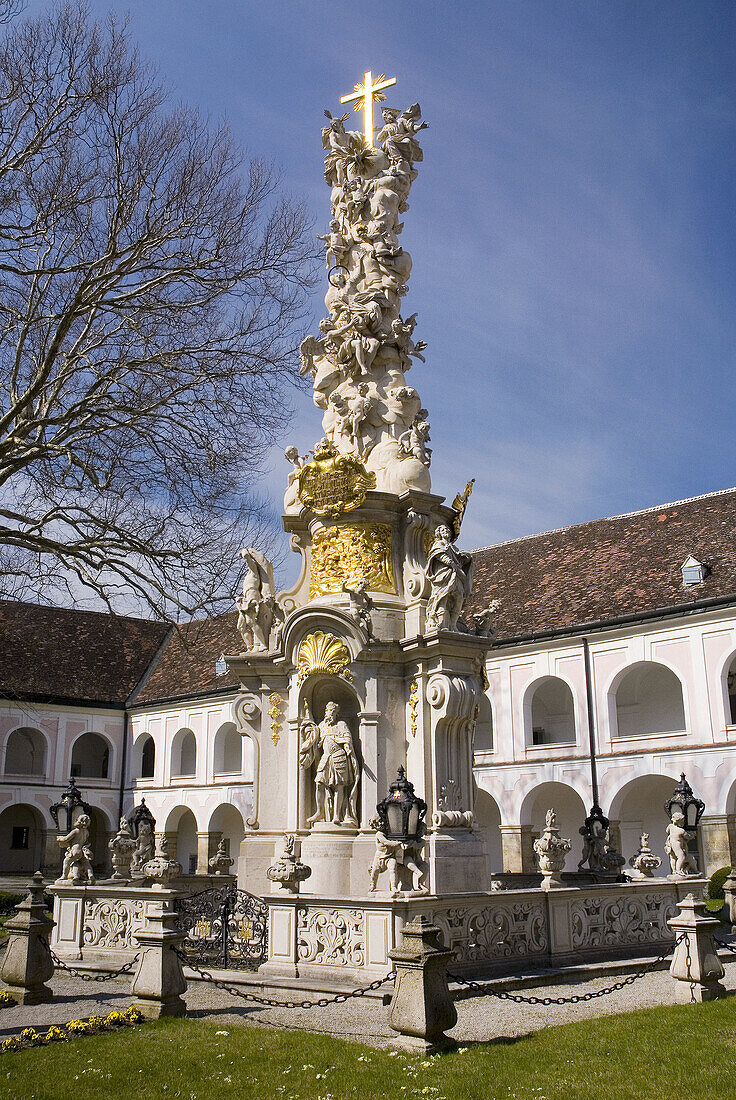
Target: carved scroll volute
[247,718]
[453,700]
[418,533]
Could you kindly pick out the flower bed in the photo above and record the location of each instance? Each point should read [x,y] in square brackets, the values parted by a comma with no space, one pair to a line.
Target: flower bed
[29,1037]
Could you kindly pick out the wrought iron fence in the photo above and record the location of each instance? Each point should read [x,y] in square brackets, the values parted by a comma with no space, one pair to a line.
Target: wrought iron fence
[225,928]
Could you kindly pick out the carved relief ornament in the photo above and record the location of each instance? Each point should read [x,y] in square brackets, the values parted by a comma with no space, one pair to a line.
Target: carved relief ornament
[334,483]
[347,553]
[323,653]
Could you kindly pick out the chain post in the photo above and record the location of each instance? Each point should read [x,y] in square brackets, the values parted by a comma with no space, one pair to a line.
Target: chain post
[695,964]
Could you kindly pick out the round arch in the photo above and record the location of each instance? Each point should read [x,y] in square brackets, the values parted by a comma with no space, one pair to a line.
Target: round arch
[182,824]
[91,757]
[22,830]
[549,712]
[727,678]
[484,726]
[183,754]
[144,756]
[639,807]
[226,823]
[26,752]
[488,818]
[228,750]
[646,698]
[570,810]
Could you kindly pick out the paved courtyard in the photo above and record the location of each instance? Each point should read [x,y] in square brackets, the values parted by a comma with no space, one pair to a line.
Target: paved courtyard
[479,1018]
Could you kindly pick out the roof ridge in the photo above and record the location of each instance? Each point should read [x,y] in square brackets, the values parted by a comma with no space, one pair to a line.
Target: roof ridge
[603,519]
[80,611]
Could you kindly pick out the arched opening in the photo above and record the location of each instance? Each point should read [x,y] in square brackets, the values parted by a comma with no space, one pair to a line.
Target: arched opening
[90,757]
[228,750]
[21,840]
[731,687]
[570,810]
[184,754]
[99,835]
[226,823]
[25,752]
[488,819]
[183,823]
[551,717]
[144,757]
[483,734]
[648,701]
[639,806]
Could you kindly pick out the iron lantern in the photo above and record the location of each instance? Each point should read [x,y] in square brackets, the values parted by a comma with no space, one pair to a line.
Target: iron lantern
[684,800]
[401,814]
[596,823]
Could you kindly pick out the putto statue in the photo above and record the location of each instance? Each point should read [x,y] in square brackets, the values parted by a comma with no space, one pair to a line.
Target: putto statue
[403,861]
[257,605]
[77,867]
[450,575]
[602,858]
[144,849]
[364,347]
[682,864]
[330,745]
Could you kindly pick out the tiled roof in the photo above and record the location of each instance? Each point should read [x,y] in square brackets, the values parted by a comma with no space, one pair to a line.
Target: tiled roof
[61,654]
[187,665]
[625,565]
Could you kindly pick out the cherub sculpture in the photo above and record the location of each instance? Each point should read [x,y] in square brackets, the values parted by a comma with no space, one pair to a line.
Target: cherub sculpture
[397,856]
[413,442]
[360,604]
[256,604]
[682,864]
[77,867]
[144,848]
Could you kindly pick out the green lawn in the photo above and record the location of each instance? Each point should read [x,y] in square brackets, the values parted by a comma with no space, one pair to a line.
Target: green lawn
[655,1053]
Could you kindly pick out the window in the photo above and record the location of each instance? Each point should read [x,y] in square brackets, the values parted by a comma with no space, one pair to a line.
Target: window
[693,572]
[649,701]
[552,713]
[20,837]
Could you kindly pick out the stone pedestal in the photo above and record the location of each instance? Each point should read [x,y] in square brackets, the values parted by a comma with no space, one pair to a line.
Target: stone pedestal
[328,850]
[517,845]
[159,980]
[717,847]
[696,964]
[27,964]
[421,1008]
[457,862]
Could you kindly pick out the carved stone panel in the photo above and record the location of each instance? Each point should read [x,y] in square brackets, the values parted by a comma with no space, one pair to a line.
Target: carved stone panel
[613,921]
[112,924]
[335,937]
[494,932]
[349,552]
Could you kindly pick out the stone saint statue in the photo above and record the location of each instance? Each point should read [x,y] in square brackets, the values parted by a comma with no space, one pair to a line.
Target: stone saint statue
[450,578]
[77,867]
[682,864]
[330,744]
[256,605]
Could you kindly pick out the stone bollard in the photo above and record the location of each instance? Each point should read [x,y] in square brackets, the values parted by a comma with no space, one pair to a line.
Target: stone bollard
[696,964]
[729,892]
[421,1008]
[27,964]
[159,980]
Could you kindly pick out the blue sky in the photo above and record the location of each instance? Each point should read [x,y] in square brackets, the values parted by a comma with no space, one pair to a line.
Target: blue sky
[572,227]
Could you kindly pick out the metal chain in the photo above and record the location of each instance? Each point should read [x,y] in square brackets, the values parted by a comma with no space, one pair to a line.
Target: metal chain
[105,976]
[339,998]
[688,964]
[573,999]
[723,943]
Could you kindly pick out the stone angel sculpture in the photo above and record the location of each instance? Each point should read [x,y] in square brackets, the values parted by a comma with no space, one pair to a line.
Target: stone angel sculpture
[257,602]
[682,864]
[77,867]
[330,746]
[398,136]
[450,575]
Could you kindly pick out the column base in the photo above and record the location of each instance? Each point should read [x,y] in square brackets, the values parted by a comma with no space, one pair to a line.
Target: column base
[695,993]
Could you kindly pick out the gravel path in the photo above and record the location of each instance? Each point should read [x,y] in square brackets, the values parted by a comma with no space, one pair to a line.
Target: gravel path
[479,1018]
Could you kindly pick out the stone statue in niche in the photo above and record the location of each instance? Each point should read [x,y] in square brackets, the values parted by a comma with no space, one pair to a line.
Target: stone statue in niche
[256,604]
[449,573]
[682,864]
[77,867]
[330,745]
[402,859]
[144,849]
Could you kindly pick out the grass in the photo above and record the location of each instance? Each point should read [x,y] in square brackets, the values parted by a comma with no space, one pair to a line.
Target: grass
[644,1055]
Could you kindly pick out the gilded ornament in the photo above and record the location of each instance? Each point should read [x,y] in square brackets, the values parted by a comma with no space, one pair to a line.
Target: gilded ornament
[333,483]
[345,554]
[323,653]
[276,715]
[460,503]
[413,707]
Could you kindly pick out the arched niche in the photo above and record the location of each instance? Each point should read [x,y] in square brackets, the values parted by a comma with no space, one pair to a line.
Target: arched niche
[90,757]
[183,824]
[639,807]
[549,713]
[183,754]
[21,839]
[488,820]
[730,686]
[99,834]
[144,757]
[228,750]
[25,752]
[570,810]
[483,733]
[647,700]
[226,822]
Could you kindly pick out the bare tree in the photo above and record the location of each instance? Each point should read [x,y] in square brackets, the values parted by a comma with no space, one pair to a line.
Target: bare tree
[10,8]
[152,287]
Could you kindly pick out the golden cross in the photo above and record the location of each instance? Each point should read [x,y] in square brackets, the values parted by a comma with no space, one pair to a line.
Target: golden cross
[369,93]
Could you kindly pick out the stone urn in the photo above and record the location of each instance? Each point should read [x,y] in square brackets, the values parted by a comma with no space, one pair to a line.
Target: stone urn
[221,862]
[644,862]
[122,846]
[161,869]
[551,850]
[287,869]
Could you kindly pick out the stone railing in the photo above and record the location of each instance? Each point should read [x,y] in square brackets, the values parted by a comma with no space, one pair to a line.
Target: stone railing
[487,933]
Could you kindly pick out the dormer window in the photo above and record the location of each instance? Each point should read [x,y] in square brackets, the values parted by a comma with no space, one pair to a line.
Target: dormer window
[693,572]
[220,665]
